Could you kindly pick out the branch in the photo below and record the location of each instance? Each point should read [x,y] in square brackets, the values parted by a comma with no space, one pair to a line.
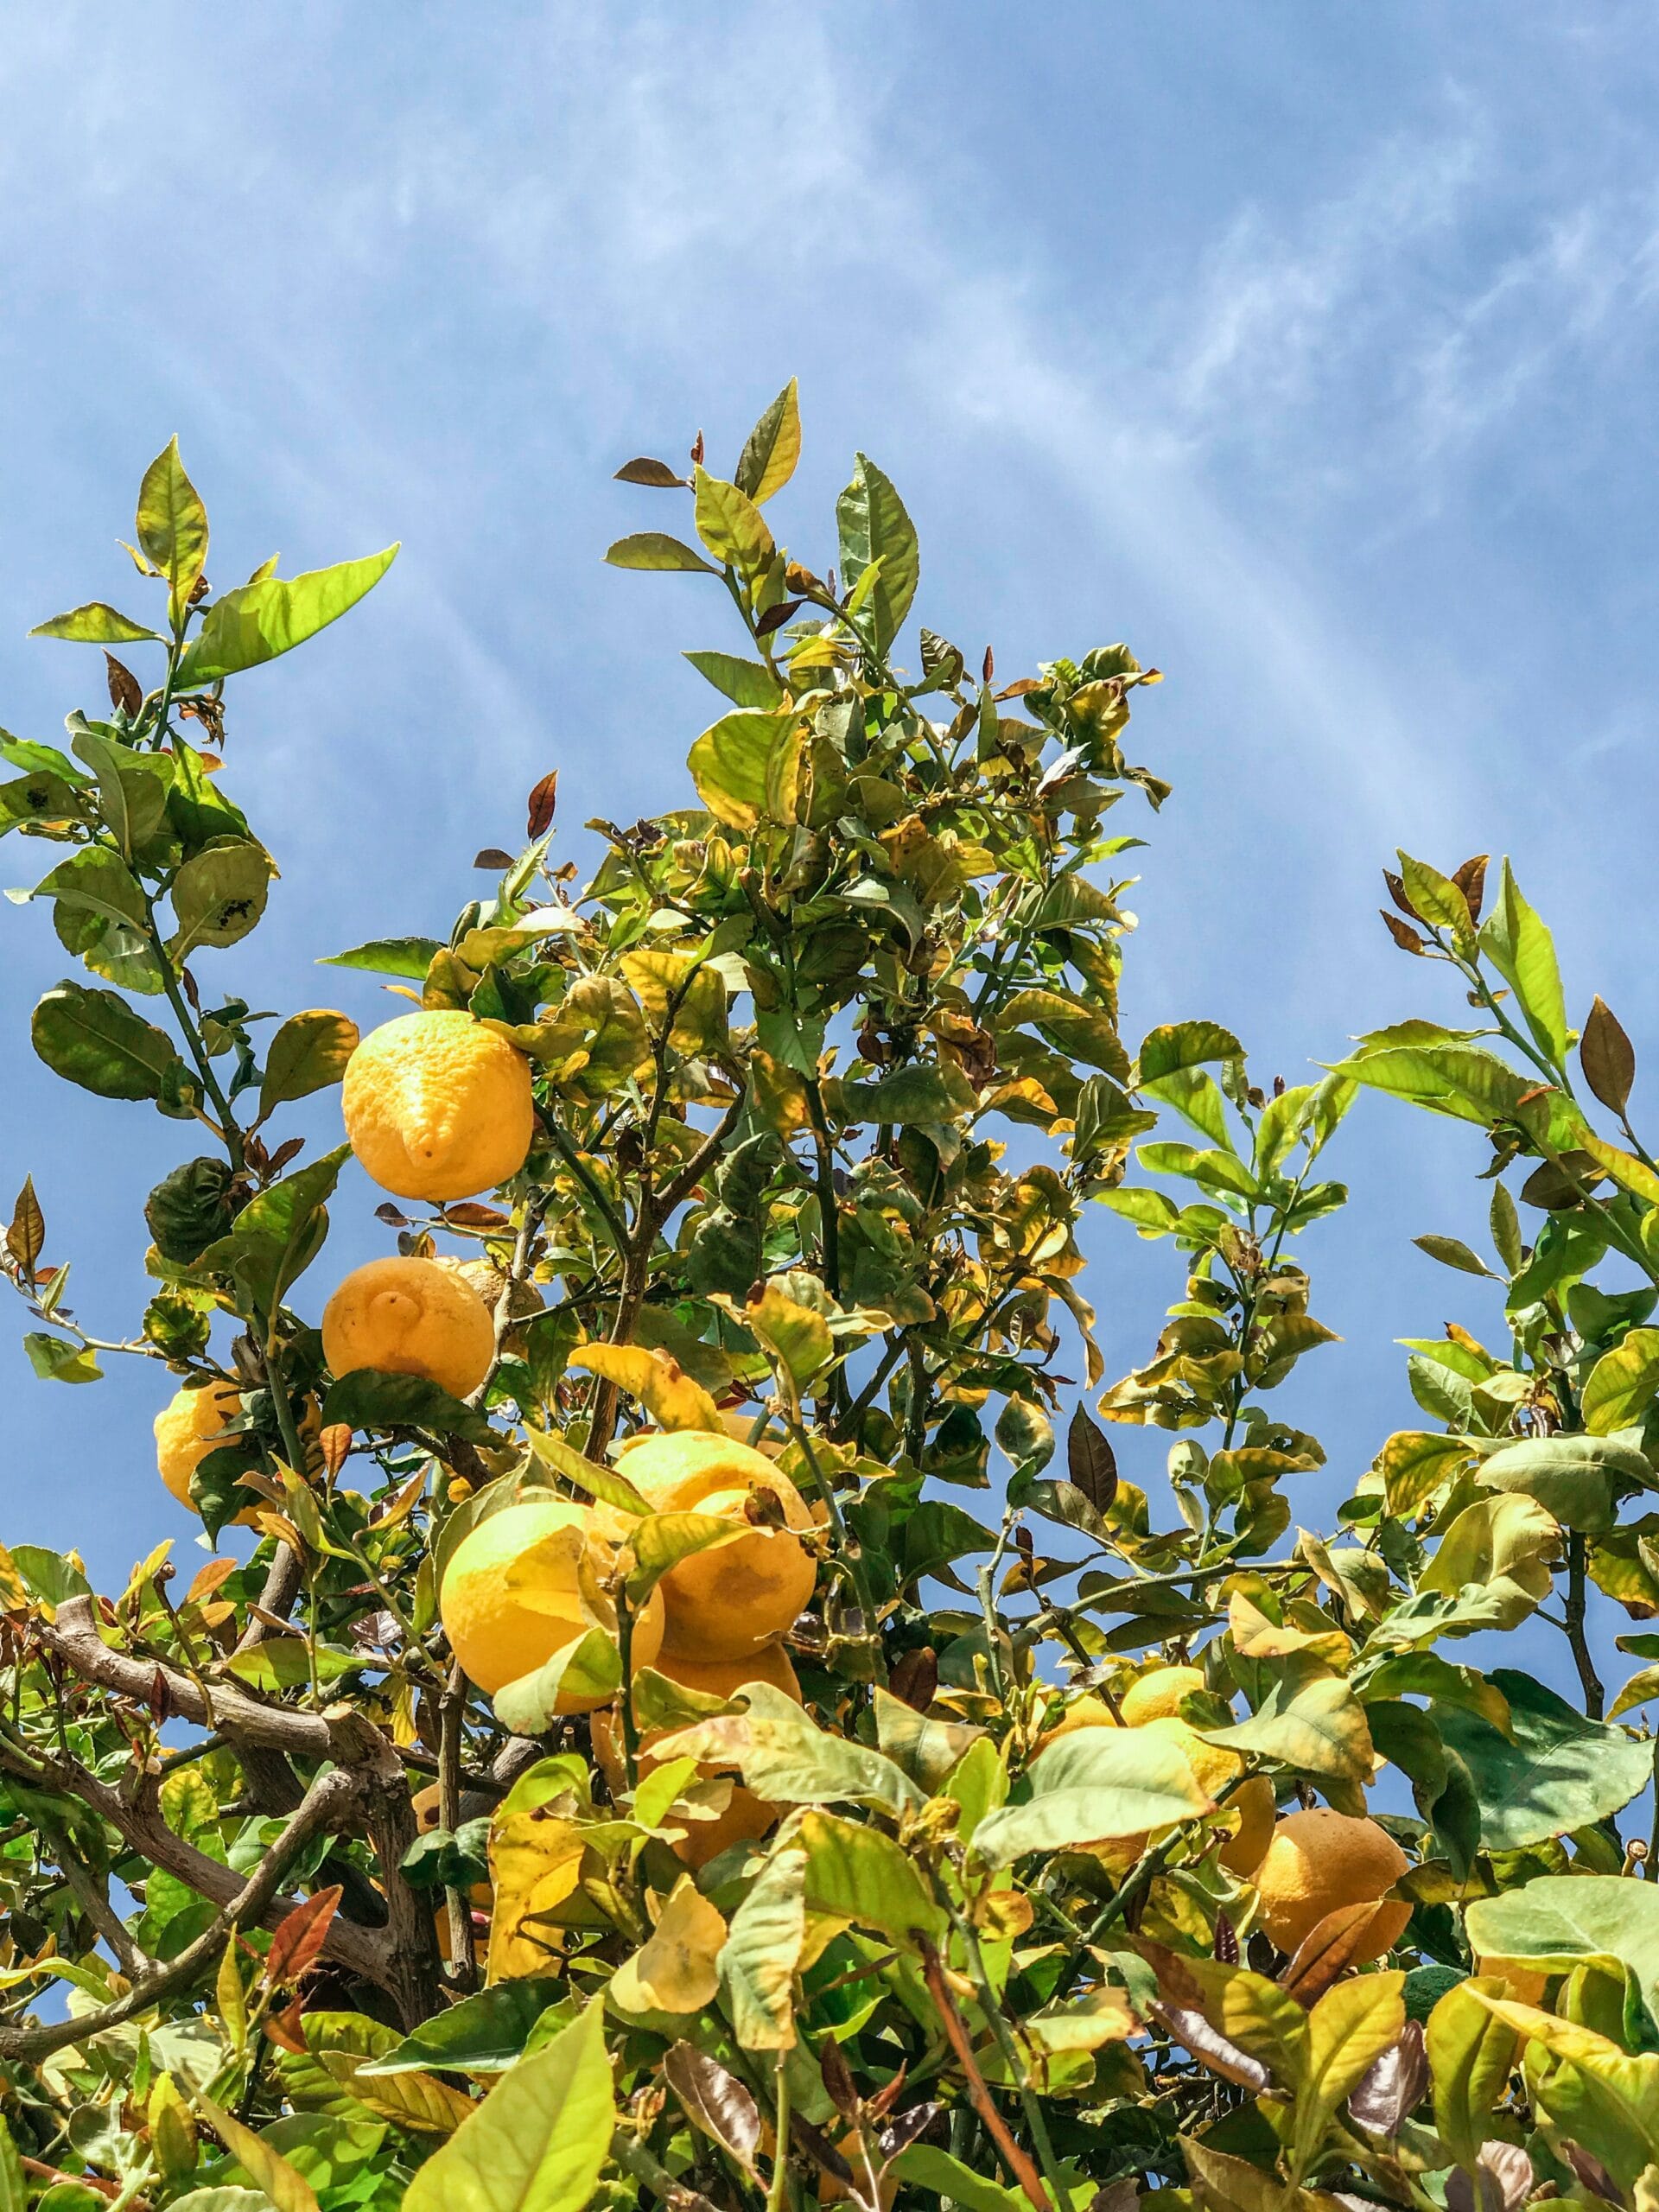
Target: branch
[249,1903]
[1017,2163]
[74,1638]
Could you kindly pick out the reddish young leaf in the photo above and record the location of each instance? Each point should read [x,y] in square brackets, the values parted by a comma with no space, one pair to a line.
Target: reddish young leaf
[301,1937]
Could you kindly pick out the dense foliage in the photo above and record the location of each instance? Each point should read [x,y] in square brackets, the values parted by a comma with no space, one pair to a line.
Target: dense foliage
[825,1069]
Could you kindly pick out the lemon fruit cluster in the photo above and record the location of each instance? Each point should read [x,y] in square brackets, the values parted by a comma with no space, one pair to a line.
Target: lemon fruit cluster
[731,1601]
[512,1595]
[410,1316]
[437,1106]
[189,1426]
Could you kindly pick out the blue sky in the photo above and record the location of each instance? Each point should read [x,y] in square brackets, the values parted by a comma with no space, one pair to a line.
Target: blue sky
[1311,350]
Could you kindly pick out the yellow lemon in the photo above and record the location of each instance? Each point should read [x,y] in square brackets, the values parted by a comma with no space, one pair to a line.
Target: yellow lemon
[409,1317]
[511,1596]
[747,1817]
[1085,1712]
[1157,1696]
[437,1106]
[1250,1812]
[1319,1861]
[188,1429]
[728,1602]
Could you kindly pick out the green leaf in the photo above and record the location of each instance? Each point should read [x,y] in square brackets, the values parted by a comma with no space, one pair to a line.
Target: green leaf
[1082,1032]
[367,1399]
[14,2189]
[873,526]
[797,1336]
[653,549]
[732,526]
[190,1209]
[787,1758]
[95,624]
[923,1093]
[660,1540]
[859,1874]
[1523,950]
[95,1040]
[308,1054]
[730,762]
[56,1360]
[172,527]
[590,1666]
[1314,1725]
[538,2141]
[762,1951]
[265,2165]
[282,1663]
[99,881]
[1576,1479]
[1452,1252]
[1470,2054]
[773,448]
[1090,1786]
[1439,901]
[220,895]
[278,1233]
[256,622]
[1622,1385]
[1180,1045]
[1554,1773]
[597,1477]
[748,684]
[389,956]
[1558,1921]
[941,2175]
[484,2034]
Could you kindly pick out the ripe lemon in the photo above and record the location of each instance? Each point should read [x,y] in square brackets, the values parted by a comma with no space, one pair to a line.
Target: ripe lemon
[1249,1813]
[747,1817]
[1157,1696]
[1085,1712]
[1319,1861]
[728,1602]
[437,1106]
[189,1426]
[499,1631]
[409,1317]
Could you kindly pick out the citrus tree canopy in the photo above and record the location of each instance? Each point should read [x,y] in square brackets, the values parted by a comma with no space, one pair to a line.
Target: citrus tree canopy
[679,1706]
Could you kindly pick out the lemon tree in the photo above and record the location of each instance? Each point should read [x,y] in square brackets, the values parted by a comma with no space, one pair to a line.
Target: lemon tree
[656,1689]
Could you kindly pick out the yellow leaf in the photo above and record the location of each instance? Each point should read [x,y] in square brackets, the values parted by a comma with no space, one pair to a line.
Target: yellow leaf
[675,1970]
[146,1570]
[1348,2030]
[1102,2016]
[417,2101]
[662,1386]
[535,1865]
[1507,1545]
[285,2185]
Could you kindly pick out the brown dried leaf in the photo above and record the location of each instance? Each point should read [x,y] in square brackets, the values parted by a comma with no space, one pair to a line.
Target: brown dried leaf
[644,470]
[1607,1056]
[715,2100]
[126,690]
[1089,1460]
[542,801]
[26,1238]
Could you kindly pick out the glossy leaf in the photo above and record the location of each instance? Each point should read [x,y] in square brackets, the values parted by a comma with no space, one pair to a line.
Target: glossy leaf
[256,622]
[538,2140]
